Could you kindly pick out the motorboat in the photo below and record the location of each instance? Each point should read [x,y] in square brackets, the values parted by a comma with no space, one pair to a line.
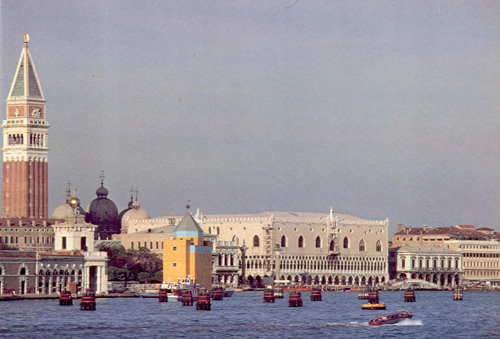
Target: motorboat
[228,292]
[183,284]
[376,306]
[391,318]
[149,293]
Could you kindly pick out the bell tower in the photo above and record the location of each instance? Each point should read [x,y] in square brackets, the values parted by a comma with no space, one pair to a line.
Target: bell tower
[25,144]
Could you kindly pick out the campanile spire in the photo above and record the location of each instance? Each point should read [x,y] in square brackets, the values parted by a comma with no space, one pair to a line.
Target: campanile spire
[25,144]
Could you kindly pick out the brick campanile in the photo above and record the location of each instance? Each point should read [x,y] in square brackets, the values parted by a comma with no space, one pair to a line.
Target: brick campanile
[25,144]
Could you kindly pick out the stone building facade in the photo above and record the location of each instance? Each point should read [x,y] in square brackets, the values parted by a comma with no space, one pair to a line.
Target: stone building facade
[436,265]
[72,260]
[306,248]
[480,260]
[27,234]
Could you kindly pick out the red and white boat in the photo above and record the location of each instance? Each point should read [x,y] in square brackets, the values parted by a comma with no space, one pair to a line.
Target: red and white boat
[391,318]
[183,284]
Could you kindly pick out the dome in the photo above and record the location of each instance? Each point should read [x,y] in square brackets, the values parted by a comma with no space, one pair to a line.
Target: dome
[122,213]
[102,191]
[136,213]
[103,211]
[65,210]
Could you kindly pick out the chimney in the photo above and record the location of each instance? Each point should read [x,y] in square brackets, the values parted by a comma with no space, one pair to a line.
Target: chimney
[400,227]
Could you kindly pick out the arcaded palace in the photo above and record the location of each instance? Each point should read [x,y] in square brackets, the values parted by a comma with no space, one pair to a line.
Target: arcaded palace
[303,248]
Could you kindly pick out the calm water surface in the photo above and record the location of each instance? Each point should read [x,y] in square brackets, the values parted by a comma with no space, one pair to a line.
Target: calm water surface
[244,315]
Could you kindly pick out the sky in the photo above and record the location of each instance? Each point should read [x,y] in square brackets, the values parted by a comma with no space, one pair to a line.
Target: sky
[381,109]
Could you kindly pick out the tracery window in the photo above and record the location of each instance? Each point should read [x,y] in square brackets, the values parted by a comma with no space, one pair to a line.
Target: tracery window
[362,245]
[256,241]
[379,246]
[301,241]
[346,242]
[283,241]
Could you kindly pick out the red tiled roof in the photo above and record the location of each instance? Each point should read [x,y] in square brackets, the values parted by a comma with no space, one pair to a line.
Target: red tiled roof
[62,253]
[466,226]
[17,254]
[439,230]
[27,222]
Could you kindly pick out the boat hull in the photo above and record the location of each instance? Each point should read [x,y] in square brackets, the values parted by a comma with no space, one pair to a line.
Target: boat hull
[392,318]
[227,293]
[373,306]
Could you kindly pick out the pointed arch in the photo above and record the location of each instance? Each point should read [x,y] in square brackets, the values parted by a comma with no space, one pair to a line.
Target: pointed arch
[301,242]
[346,242]
[318,242]
[362,245]
[379,246]
[256,241]
[332,245]
[284,241]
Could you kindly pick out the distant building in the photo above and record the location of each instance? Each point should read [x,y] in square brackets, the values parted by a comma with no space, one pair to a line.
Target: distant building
[433,264]
[73,260]
[429,235]
[188,254]
[305,248]
[480,260]
[27,234]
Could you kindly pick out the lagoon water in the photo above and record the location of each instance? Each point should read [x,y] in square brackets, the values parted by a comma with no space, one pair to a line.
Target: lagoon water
[244,315]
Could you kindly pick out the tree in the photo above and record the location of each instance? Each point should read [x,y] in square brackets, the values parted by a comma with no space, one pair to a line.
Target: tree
[141,264]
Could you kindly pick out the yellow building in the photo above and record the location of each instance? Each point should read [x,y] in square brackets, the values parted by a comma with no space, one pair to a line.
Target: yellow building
[187,254]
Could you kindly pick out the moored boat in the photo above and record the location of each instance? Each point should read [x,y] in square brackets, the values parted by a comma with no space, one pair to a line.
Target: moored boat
[391,318]
[228,292]
[175,289]
[149,294]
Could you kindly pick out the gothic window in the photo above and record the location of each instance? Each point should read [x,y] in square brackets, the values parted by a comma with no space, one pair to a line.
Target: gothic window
[301,241]
[256,241]
[283,241]
[318,242]
[346,242]
[332,245]
[379,246]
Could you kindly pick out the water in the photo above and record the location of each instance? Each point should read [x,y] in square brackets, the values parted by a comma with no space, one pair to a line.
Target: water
[244,315]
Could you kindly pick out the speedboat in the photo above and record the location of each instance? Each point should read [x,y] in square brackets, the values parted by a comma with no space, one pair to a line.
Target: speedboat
[391,318]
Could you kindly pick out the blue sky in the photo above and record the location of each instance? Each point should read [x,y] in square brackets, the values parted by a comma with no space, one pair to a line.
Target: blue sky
[386,109]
